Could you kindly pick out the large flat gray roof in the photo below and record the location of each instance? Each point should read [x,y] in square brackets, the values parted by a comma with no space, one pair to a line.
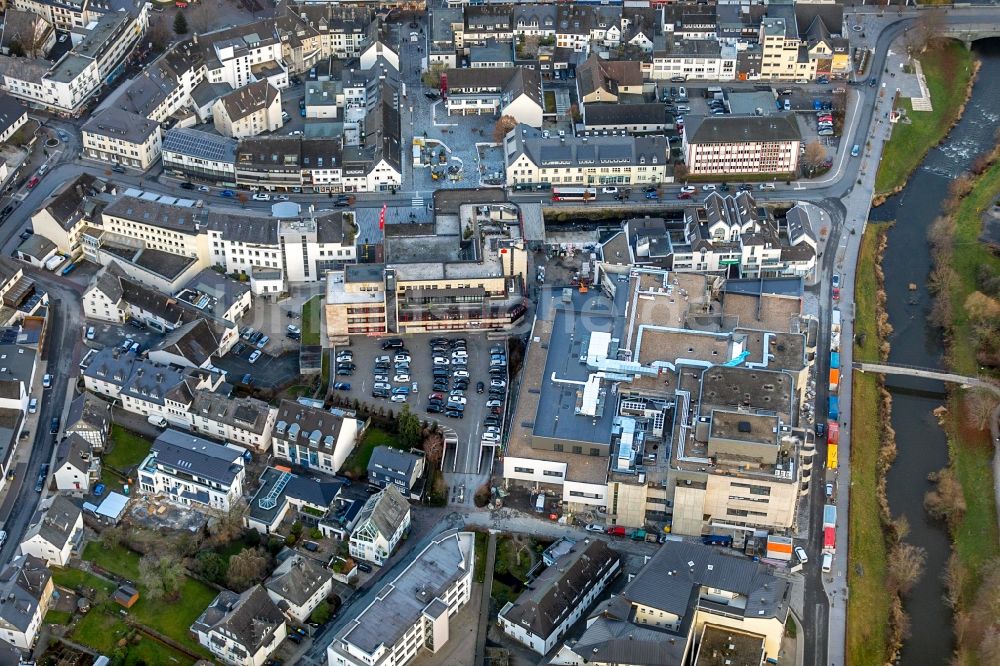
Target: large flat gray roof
[572,325]
[399,605]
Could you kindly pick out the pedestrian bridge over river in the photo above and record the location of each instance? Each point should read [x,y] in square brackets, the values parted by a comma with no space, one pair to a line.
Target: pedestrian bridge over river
[927,373]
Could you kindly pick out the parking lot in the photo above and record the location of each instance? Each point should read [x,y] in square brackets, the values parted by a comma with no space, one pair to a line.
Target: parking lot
[267,371]
[107,334]
[469,429]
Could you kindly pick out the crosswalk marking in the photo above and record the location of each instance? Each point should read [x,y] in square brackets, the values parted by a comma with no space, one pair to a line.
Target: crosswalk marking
[418,202]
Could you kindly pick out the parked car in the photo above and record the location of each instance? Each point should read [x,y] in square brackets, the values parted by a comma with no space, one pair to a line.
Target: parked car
[261,196]
[33,405]
[263,342]
[46,381]
[342,386]
[90,332]
[247,379]
[254,356]
[54,425]
[187,186]
[609,190]
[800,553]
[594,527]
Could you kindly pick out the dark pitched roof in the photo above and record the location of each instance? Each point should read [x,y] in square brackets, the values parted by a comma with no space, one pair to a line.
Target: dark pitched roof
[297,579]
[392,462]
[194,341]
[251,618]
[736,129]
[622,115]
[194,455]
[249,99]
[554,595]
[67,203]
[10,112]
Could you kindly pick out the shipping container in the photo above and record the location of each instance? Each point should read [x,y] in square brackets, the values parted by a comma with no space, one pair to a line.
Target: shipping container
[779,548]
[834,380]
[834,412]
[834,359]
[717,540]
[831,456]
[829,515]
[835,324]
[832,432]
[835,341]
[829,539]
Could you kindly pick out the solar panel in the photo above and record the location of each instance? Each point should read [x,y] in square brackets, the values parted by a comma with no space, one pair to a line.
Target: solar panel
[200,144]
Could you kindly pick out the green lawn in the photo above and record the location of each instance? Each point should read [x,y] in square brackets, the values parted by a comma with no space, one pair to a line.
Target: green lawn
[947,68]
[74,579]
[868,605]
[126,449]
[170,618]
[312,311]
[102,631]
[58,617]
[356,465]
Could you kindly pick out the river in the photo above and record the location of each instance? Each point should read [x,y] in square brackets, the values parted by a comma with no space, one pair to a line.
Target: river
[921,444]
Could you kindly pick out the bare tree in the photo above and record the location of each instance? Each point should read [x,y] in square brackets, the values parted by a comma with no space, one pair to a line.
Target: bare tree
[158,35]
[434,449]
[680,171]
[161,574]
[906,565]
[979,408]
[503,126]
[926,31]
[226,526]
[814,155]
[247,567]
[199,17]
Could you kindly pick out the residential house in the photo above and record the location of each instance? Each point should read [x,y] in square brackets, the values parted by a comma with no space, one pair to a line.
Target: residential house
[298,585]
[313,437]
[248,111]
[76,468]
[73,206]
[192,345]
[389,466]
[311,502]
[380,527]
[543,614]
[26,588]
[413,611]
[89,417]
[55,531]
[599,80]
[244,421]
[730,145]
[241,629]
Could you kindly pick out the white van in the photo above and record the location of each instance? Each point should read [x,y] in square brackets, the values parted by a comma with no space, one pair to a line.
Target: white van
[827,562]
[157,420]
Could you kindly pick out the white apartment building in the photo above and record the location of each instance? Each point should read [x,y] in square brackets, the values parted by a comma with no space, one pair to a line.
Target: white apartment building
[380,526]
[314,438]
[729,144]
[193,472]
[66,85]
[783,57]
[122,137]
[697,60]
[248,111]
[560,596]
[581,161]
[244,54]
[412,612]
[62,14]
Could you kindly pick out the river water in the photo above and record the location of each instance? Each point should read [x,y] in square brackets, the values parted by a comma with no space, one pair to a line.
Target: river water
[921,444]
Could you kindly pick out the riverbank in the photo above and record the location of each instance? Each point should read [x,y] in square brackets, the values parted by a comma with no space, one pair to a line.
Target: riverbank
[868,605]
[950,71]
[967,280]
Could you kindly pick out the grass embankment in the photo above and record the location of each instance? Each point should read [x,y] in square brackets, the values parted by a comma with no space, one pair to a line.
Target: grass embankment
[948,68]
[868,604]
[966,276]
[312,311]
[356,465]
